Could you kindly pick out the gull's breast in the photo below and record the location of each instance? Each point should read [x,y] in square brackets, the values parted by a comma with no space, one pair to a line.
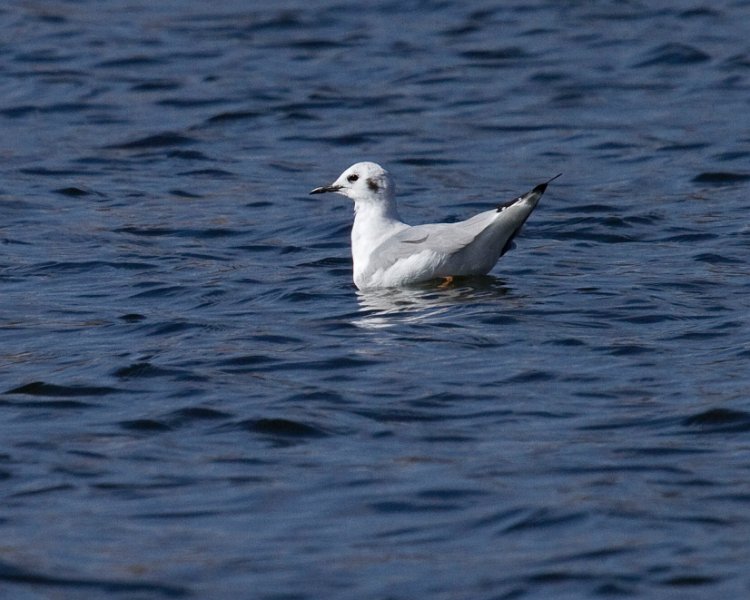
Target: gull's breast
[414,268]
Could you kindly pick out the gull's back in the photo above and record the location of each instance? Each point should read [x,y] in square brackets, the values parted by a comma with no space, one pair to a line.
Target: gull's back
[424,252]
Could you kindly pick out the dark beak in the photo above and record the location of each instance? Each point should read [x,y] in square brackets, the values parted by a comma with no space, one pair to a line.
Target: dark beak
[326,188]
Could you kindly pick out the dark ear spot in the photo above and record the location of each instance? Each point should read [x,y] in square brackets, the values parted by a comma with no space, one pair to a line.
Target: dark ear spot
[372,185]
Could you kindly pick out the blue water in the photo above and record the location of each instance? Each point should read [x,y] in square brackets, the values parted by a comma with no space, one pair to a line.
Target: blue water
[196,402]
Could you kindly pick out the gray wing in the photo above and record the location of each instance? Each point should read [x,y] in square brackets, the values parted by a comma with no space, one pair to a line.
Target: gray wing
[467,247]
[442,238]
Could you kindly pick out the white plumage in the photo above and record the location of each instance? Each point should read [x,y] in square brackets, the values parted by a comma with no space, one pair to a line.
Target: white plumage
[387,252]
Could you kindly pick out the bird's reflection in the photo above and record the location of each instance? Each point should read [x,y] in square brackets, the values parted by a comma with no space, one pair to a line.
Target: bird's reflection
[381,308]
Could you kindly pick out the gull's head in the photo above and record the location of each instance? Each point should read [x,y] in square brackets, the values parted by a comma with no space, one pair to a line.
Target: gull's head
[363,182]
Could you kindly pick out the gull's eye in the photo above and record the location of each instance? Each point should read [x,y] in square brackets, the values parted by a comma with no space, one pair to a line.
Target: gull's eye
[352,178]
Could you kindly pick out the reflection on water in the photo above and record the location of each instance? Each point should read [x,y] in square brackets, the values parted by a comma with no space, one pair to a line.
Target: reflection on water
[392,306]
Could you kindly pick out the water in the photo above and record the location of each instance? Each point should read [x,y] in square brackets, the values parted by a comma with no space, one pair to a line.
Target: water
[196,401]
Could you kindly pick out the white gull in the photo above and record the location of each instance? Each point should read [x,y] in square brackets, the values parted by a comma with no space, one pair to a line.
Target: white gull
[387,252]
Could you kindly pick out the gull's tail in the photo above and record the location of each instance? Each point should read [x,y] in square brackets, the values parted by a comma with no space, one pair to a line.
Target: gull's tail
[526,205]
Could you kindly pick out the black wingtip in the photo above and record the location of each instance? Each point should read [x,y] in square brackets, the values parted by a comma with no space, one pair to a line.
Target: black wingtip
[541,188]
[537,190]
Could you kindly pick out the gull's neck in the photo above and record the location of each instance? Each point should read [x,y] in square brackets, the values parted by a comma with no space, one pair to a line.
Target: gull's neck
[373,219]
[376,210]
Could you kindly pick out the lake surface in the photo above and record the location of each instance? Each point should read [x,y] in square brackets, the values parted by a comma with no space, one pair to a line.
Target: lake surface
[195,401]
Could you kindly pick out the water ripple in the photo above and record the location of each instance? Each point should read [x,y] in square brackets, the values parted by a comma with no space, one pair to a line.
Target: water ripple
[195,398]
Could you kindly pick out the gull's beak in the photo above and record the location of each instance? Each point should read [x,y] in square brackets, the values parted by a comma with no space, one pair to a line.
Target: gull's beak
[326,188]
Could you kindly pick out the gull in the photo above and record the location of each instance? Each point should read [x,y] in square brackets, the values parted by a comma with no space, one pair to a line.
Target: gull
[386,252]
